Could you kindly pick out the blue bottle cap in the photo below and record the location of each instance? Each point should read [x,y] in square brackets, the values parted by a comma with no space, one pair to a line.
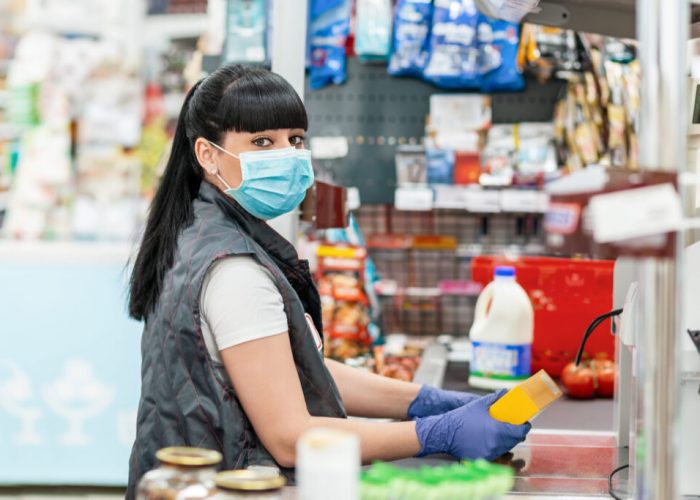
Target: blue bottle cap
[504,271]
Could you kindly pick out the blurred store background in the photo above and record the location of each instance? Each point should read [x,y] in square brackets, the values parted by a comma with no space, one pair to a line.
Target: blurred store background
[446,161]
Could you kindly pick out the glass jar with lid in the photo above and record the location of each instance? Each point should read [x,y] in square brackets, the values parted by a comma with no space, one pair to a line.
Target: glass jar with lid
[184,474]
[264,483]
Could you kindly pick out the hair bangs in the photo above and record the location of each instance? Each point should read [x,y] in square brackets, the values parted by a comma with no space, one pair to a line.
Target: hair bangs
[261,100]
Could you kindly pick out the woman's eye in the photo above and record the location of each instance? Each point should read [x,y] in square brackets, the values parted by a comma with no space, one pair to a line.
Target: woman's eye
[262,142]
[296,140]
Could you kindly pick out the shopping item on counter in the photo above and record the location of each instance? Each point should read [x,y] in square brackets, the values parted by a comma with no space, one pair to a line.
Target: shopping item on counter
[411,37]
[498,52]
[328,465]
[524,401]
[474,480]
[180,468]
[344,304]
[246,32]
[454,47]
[502,333]
[329,27]
[259,483]
[373,20]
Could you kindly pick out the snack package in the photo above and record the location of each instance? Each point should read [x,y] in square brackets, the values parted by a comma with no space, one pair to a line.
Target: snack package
[344,304]
[441,163]
[373,29]
[454,48]
[411,37]
[498,51]
[329,27]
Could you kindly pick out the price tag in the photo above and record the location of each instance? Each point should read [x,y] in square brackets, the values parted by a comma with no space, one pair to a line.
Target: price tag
[635,213]
[482,201]
[413,198]
[450,197]
[329,148]
[526,201]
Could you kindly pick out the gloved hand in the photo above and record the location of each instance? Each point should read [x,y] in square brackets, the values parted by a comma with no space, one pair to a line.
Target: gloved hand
[433,401]
[469,432]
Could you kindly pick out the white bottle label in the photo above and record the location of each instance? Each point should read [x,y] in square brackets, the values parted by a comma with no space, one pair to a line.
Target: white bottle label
[501,361]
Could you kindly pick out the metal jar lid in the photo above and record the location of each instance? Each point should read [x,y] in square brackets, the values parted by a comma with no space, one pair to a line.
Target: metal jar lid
[249,480]
[188,457]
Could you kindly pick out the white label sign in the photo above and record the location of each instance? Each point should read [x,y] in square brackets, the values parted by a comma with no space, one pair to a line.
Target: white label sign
[482,201]
[635,213]
[413,198]
[527,201]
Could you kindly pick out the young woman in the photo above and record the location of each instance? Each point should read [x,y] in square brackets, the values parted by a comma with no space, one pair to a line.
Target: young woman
[231,351]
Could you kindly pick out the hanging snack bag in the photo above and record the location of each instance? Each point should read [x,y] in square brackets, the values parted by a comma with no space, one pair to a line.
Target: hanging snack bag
[373,29]
[498,53]
[412,22]
[345,307]
[454,48]
[328,33]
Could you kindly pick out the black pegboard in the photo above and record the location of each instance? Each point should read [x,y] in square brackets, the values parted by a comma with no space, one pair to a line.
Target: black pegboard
[377,112]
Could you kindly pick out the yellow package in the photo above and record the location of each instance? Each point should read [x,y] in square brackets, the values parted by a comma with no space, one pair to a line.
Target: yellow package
[526,399]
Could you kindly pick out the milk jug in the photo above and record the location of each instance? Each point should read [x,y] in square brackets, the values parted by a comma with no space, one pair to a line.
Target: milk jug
[501,334]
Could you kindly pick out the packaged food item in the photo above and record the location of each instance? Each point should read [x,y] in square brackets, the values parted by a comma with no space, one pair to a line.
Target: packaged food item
[264,483]
[498,51]
[184,473]
[454,48]
[411,37]
[344,304]
[474,480]
[440,165]
[411,166]
[526,400]
[328,32]
[373,29]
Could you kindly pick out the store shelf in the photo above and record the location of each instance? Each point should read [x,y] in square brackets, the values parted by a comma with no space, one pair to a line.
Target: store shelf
[170,26]
[471,199]
[607,17]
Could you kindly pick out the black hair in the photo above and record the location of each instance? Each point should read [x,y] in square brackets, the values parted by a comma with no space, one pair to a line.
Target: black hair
[233,98]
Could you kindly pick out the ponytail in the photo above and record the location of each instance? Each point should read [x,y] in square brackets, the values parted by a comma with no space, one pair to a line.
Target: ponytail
[170,212]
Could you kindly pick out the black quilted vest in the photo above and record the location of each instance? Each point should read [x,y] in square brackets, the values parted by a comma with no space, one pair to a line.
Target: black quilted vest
[184,402]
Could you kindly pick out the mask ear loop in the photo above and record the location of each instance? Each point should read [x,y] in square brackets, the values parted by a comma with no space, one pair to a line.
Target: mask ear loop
[217,174]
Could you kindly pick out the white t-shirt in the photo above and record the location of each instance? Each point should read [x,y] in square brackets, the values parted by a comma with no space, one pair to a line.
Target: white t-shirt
[239,303]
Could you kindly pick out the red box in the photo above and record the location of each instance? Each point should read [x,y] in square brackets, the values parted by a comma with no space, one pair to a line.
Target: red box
[566,295]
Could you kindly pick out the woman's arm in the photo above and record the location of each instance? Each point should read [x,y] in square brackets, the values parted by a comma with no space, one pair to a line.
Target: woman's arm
[369,395]
[267,385]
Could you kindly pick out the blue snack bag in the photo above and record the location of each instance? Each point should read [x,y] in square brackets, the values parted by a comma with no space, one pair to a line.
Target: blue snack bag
[440,165]
[498,52]
[329,26]
[411,37]
[373,29]
[454,48]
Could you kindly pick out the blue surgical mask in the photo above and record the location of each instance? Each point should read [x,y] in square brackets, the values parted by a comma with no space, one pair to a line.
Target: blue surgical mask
[274,181]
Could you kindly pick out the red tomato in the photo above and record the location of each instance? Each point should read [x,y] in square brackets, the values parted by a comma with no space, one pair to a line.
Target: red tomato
[605,376]
[578,381]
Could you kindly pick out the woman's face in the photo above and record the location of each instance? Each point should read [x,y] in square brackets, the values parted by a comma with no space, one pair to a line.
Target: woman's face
[215,161]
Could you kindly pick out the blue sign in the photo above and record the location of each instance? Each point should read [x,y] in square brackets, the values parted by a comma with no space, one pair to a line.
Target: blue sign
[69,373]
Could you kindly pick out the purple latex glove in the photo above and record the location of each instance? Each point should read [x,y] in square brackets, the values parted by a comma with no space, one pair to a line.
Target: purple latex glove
[469,432]
[433,401]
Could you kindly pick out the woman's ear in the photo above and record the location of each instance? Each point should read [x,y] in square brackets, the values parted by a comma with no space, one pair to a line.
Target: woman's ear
[206,155]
